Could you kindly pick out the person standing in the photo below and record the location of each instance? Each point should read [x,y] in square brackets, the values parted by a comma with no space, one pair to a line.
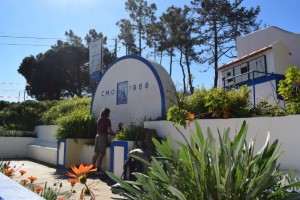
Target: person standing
[101,139]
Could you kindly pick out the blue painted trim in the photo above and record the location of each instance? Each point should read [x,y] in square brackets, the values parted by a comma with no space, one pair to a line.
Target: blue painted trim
[263,79]
[111,162]
[61,140]
[260,80]
[155,73]
[117,143]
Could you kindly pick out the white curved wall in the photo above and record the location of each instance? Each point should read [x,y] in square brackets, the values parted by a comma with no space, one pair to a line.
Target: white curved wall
[149,91]
[168,85]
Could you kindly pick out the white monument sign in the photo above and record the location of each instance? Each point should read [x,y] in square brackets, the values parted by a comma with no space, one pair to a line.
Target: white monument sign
[134,89]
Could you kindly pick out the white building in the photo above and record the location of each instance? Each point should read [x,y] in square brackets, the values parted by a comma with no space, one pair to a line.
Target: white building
[263,58]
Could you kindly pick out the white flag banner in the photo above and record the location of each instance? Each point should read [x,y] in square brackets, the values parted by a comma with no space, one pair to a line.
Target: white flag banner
[95,59]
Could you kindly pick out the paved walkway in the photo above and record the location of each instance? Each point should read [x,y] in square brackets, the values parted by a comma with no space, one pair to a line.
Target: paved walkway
[45,173]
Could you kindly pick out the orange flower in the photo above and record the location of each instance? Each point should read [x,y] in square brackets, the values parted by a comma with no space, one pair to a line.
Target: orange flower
[32,179]
[73,181]
[9,172]
[60,198]
[24,181]
[80,173]
[6,165]
[191,117]
[22,172]
[38,188]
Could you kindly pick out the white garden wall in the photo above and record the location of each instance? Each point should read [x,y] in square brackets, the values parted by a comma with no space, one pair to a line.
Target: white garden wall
[74,148]
[46,132]
[286,129]
[44,148]
[14,147]
[86,156]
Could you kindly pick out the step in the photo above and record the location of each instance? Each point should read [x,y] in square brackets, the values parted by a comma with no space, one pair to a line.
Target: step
[44,151]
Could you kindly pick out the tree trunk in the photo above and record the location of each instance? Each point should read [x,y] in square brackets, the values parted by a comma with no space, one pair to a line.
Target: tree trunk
[215,52]
[183,73]
[161,55]
[171,62]
[140,37]
[190,77]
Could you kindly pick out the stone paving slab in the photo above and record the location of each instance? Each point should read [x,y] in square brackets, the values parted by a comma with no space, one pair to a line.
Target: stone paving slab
[45,173]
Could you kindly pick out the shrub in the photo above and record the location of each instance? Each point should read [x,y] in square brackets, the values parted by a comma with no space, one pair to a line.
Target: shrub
[133,132]
[4,104]
[177,115]
[289,89]
[77,124]
[63,108]
[263,108]
[196,102]
[22,116]
[73,118]
[214,103]
[201,169]
[70,115]
[13,133]
[224,103]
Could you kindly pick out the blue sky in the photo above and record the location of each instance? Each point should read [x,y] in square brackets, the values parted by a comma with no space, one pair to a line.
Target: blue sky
[51,18]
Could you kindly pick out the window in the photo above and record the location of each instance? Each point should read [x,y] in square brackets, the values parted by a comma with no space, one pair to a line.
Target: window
[230,80]
[244,70]
[241,73]
[227,77]
[259,65]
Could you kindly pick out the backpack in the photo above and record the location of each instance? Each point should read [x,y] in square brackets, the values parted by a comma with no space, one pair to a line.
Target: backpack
[148,145]
[132,165]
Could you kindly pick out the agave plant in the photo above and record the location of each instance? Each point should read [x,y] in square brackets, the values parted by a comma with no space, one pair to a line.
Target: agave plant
[200,169]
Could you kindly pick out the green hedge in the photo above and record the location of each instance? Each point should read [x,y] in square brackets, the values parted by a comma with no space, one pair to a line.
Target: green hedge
[220,103]
[77,124]
[72,116]
[23,116]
